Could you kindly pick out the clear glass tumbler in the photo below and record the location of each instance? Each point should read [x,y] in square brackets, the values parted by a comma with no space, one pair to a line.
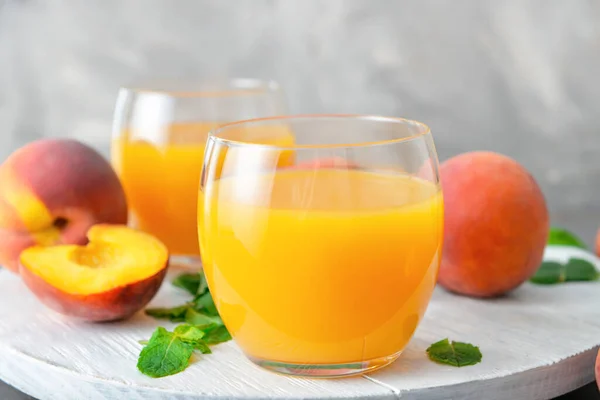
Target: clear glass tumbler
[159,138]
[321,254]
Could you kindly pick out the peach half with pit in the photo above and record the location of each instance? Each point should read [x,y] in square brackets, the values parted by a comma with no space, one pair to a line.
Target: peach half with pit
[112,277]
[51,192]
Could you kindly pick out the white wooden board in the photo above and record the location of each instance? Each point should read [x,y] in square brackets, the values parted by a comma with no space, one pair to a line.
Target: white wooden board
[537,343]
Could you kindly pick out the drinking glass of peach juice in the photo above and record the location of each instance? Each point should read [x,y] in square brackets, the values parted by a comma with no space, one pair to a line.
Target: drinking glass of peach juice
[324,267]
[159,139]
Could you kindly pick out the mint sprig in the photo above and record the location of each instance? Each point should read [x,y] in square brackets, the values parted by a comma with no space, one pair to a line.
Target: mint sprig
[167,353]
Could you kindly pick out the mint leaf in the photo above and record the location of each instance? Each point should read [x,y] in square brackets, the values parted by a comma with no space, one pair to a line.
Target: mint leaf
[173,314]
[188,333]
[457,354]
[165,354]
[195,284]
[202,347]
[193,335]
[218,334]
[204,303]
[560,236]
[575,270]
[198,318]
[548,273]
[578,269]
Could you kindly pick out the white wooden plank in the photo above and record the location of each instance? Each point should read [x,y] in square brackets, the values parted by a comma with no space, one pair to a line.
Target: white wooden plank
[537,342]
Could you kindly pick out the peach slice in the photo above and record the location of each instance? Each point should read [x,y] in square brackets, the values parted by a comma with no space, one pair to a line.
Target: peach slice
[116,274]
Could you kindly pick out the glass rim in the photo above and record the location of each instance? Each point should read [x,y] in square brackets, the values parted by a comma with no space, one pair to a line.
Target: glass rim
[218,87]
[213,135]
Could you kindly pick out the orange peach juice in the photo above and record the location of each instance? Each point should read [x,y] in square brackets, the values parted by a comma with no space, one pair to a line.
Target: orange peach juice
[321,266]
[161,177]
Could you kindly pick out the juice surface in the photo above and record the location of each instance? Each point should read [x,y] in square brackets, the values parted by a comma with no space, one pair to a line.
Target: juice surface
[321,266]
[161,177]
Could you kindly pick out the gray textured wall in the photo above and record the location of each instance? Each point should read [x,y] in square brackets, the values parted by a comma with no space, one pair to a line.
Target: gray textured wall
[516,76]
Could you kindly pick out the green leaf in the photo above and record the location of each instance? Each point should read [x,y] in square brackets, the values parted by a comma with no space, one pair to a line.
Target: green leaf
[578,269]
[548,273]
[165,354]
[195,284]
[173,314]
[457,354]
[575,270]
[202,347]
[199,318]
[189,333]
[193,335]
[218,334]
[204,303]
[560,236]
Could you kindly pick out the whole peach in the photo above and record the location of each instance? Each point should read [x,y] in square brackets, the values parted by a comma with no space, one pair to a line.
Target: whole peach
[496,224]
[51,192]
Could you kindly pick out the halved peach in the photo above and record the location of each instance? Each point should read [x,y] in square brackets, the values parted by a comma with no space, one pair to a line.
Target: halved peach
[116,274]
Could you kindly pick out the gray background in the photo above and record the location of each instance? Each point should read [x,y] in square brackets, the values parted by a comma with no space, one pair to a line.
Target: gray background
[515,76]
[519,77]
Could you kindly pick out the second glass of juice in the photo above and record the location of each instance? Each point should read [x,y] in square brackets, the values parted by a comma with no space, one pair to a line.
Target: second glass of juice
[159,139]
[324,267]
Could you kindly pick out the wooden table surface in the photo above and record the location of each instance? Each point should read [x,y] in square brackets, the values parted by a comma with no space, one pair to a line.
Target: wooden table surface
[48,355]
